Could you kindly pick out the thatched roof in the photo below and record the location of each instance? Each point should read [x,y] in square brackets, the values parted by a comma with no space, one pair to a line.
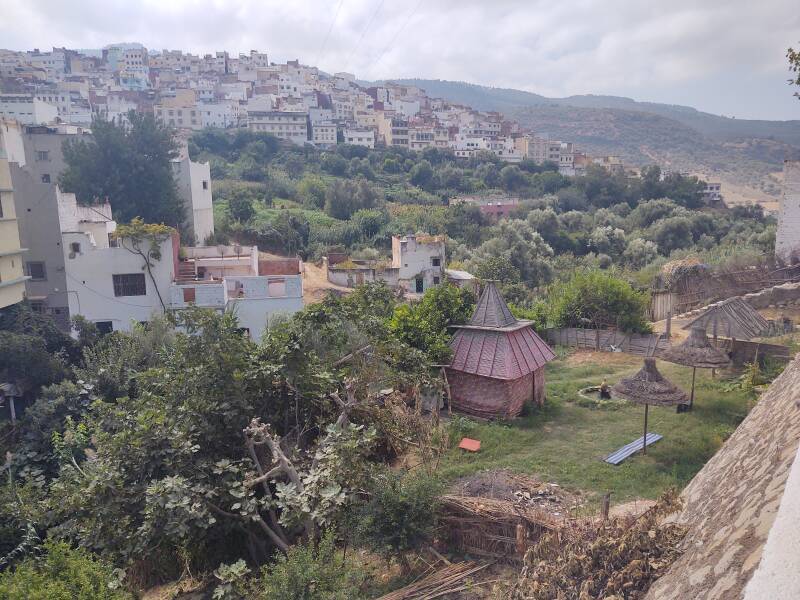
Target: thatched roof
[648,386]
[695,351]
[732,318]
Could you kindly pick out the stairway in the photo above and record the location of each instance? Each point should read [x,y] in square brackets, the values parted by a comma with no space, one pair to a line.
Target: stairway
[185,272]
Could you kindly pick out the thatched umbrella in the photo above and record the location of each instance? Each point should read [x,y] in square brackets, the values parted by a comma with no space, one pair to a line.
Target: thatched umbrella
[696,352]
[648,387]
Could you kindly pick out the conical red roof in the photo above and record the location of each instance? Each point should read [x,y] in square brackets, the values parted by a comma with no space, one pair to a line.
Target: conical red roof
[494,344]
[491,310]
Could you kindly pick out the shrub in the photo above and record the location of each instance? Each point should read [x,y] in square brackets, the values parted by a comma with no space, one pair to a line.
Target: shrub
[306,573]
[598,299]
[400,516]
[62,574]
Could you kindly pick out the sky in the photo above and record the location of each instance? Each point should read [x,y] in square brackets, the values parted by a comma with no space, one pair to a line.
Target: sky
[721,56]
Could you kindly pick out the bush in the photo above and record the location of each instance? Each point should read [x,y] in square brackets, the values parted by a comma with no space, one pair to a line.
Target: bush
[400,516]
[62,574]
[307,574]
[598,299]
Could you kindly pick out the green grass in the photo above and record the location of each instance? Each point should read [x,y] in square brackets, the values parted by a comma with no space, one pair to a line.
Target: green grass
[566,443]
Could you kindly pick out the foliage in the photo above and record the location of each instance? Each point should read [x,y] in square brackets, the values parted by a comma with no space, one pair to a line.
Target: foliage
[423,325]
[308,573]
[129,163]
[598,299]
[62,574]
[240,207]
[794,66]
[400,515]
[619,558]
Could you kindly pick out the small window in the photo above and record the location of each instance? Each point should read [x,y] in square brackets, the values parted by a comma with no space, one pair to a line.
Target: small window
[436,262]
[38,307]
[277,288]
[104,327]
[37,271]
[129,284]
[74,248]
[205,185]
[46,178]
[43,155]
[436,281]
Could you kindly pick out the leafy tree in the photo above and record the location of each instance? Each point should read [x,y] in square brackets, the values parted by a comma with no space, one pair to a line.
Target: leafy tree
[369,221]
[62,574]
[598,299]
[390,165]
[312,191]
[640,253]
[671,234]
[497,268]
[334,163]
[400,516]
[144,240]
[343,198]
[522,246]
[647,213]
[607,240]
[794,67]
[26,362]
[128,163]
[240,206]
[512,178]
[422,174]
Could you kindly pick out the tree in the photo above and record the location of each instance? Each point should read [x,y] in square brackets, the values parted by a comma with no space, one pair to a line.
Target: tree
[144,240]
[334,163]
[240,206]
[497,268]
[311,190]
[794,67]
[128,163]
[522,246]
[640,253]
[598,299]
[400,516]
[512,178]
[671,234]
[607,240]
[422,174]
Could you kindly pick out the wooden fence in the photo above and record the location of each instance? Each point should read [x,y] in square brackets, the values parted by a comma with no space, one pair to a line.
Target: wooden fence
[646,344]
[641,344]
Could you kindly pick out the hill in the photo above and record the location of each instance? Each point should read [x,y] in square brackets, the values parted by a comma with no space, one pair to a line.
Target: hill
[741,151]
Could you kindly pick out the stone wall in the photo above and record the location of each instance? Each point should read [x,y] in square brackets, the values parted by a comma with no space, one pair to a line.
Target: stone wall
[731,504]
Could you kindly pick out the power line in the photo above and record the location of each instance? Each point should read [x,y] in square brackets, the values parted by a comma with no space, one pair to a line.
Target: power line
[325,41]
[117,300]
[363,33]
[395,36]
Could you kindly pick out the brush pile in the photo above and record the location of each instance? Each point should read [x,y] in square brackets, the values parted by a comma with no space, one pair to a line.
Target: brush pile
[615,560]
[449,580]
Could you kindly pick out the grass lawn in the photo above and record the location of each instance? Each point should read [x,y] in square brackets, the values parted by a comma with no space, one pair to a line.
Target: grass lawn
[565,443]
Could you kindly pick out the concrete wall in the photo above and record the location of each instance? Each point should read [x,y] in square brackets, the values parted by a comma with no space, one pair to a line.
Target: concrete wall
[787,238]
[190,178]
[730,506]
[90,283]
[12,280]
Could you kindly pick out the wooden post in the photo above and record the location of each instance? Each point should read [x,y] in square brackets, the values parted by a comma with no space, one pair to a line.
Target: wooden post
[691,398]
[644,438]
[668,328]
[13,411]
[520,539]
[449,395]
[606,506]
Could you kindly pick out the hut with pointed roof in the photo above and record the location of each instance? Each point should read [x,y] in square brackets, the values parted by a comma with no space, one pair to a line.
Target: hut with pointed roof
[498,362]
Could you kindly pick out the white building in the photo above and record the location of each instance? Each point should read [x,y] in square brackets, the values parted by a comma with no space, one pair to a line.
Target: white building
[194,186]
[287,125]
[324,134]
[360,137]
[27,109]
[219,114]
[420,261]
[787,238]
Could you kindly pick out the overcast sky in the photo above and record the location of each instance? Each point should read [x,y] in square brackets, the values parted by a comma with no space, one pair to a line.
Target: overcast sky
[722,56]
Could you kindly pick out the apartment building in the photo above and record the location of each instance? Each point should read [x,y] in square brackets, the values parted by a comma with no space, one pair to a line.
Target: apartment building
[12,277]
[393,130]
[27,109]
[427,136]
[359,137]
[324,134]
[291,126]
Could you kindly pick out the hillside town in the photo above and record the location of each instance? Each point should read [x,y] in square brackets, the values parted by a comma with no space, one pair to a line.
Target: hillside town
[269,333]
[292,101]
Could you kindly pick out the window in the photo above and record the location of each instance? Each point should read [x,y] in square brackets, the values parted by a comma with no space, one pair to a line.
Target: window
[104,327]
[37,271]
[129,284]
[436,262]
[42,155]
[46,178]
[435,281]
[74,248]
[38,306]
[205,185]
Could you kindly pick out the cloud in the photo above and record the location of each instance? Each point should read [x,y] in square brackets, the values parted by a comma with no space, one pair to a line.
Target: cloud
[624,47]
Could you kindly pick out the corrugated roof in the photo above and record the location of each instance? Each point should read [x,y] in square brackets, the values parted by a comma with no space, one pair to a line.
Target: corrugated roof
[499,354]
[491,310]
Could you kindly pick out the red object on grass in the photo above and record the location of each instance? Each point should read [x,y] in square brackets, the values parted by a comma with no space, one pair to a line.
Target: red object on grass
[469,444]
